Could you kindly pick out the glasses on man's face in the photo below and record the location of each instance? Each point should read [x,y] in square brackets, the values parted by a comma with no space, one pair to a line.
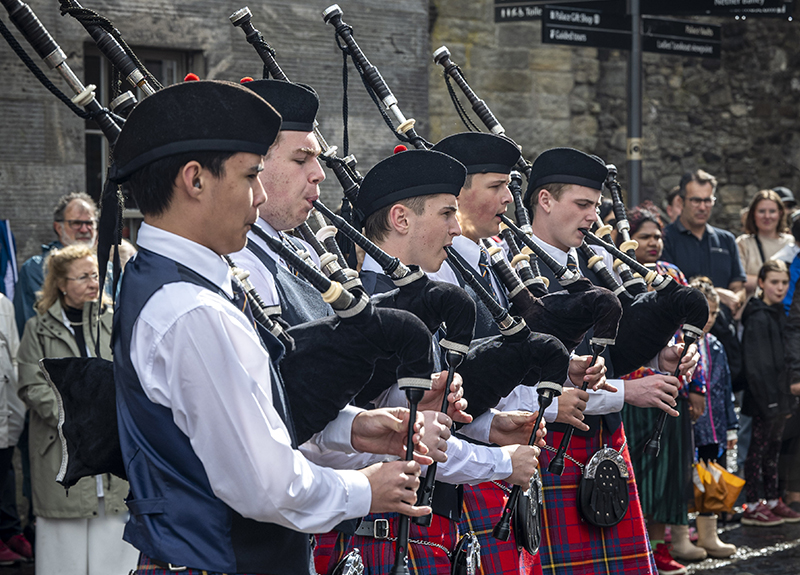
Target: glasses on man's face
[698,201]
[78,224]
[85,278]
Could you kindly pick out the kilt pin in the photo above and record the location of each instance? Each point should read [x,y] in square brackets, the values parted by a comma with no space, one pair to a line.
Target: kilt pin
[570,545]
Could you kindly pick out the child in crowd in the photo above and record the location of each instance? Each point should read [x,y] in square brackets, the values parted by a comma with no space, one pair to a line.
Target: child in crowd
[715,428]
[766,398]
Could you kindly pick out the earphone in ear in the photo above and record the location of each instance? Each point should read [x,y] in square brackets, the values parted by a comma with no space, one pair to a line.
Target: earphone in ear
[197,184]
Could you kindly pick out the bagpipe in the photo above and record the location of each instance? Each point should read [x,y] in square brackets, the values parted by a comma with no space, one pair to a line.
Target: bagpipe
[650,319]
[517,356]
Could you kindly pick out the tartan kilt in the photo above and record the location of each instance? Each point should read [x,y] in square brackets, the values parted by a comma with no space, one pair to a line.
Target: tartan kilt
[570,546]
[529,564]
[378,554]
[327,547]
[483,506]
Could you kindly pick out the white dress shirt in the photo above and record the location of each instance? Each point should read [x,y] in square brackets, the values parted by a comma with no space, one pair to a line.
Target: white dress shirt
[200,357]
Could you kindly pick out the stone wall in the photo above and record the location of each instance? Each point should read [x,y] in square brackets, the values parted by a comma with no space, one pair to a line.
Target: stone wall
[42,142]
[737,117]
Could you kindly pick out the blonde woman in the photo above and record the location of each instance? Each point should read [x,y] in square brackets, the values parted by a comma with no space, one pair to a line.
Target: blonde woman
[80,534]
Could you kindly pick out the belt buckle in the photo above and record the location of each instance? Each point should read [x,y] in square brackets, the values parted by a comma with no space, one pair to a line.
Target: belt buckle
[175,568]
[380,529]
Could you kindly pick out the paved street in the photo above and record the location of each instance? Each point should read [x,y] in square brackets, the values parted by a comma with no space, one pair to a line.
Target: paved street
[762,551]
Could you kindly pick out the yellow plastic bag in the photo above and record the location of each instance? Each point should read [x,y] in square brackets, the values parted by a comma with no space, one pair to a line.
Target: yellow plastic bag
[715,489]
[733,485]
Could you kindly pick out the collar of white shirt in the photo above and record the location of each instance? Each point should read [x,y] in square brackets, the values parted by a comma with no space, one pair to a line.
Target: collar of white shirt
[557,254]
[187,253]
[370,265]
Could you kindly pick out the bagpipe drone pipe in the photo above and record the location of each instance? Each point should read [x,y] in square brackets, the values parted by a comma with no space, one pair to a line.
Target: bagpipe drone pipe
[346,348]
[515,357]
[651,319]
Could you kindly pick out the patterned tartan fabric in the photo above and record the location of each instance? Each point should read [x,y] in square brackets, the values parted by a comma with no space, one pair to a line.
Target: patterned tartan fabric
[483,505]
[328,546]
[147,567]
[378,554]
[570,546]
[529,564]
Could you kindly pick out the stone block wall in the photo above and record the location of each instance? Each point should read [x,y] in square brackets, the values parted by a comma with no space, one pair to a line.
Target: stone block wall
[42,141]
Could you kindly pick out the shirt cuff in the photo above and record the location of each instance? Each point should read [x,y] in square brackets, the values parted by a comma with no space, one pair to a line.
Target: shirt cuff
[359,493]
[551,413]
[480,427]
[338,433]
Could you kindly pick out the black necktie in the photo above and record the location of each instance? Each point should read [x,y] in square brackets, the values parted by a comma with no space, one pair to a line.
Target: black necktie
[483,267]
[572,265]
[278,393]
[240,300]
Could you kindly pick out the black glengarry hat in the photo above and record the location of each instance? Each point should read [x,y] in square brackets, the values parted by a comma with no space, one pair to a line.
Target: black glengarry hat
[407,175]
[480,152]
[566,166]
[207,116]
[296,103]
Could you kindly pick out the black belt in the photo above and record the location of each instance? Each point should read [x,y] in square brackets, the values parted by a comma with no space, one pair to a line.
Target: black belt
[168,566]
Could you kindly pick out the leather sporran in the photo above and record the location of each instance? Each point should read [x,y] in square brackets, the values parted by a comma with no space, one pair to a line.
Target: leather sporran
[603,490]
[528,516]
[351,564]
[466,558]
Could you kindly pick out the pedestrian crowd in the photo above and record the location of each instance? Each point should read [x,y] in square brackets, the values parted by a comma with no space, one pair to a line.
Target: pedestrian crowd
[742,394]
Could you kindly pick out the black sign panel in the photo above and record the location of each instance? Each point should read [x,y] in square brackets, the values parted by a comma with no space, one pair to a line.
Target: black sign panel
[593,28]
[712,7]
[681,38]
[518,10]
[585,27]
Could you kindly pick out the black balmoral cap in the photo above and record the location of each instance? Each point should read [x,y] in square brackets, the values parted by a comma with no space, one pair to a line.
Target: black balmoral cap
[207,116]
[480,153]
[566,166]
[408,175]
[296,103]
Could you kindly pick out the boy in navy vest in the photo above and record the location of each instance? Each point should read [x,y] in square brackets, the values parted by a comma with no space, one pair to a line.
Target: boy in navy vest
[217,483]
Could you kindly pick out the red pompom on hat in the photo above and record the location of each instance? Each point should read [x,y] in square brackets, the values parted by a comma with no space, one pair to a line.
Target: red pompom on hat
[191,77]
[400,148]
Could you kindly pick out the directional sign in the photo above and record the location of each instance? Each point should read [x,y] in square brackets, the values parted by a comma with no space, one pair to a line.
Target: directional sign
[681,38]
[712,7]
[587,27]
[519,10]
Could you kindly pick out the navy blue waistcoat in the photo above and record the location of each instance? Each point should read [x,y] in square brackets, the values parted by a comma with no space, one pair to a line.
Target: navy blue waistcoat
[175,516]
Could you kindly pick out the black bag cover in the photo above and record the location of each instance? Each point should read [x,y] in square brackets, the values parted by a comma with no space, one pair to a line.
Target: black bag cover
[569,315]
[496,365]
[87,417]
[335,357]
[650,320]
[436,304]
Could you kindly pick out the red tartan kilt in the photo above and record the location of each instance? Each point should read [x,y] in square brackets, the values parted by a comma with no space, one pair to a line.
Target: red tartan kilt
[327,547]
[483,506]
[379,554]
[569,544]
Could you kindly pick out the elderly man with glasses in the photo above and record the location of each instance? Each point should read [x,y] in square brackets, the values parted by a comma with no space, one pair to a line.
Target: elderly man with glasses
[74,221]
[700,249]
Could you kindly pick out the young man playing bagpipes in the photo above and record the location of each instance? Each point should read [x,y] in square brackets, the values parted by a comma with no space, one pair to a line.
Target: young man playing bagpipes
[563,193]
[408,204]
